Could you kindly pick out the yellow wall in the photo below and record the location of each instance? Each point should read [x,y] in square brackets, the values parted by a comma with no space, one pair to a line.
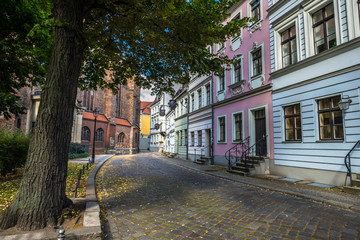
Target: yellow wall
[145,124]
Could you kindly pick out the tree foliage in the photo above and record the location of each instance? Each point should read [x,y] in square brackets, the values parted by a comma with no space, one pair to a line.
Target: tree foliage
[26,36]
[157,43]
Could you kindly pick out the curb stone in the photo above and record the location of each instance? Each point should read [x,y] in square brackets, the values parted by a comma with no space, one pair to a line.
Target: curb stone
[91,227]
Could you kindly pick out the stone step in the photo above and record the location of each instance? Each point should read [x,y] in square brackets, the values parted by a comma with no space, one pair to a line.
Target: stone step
[239,168]
[239,172]
[249,163]
[199,161]
[356,182]
[205,158]
[255,157]
[354,190]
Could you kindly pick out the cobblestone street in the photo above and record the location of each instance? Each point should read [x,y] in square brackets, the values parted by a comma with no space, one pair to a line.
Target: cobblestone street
[146,197]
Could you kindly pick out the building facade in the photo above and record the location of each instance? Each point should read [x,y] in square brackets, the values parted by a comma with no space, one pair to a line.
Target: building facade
[145,119]
[181,123]
[200,117]
[117,126]
[315,64]
[242,105]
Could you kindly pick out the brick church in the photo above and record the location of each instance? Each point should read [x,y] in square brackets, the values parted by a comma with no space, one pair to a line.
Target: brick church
[117,124]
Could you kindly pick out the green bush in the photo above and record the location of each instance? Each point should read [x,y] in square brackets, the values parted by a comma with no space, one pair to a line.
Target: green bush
[13,150]
[76,148]
[78,155]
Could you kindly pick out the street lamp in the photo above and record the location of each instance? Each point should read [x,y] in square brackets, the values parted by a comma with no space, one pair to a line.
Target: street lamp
[344,103]
[96,114]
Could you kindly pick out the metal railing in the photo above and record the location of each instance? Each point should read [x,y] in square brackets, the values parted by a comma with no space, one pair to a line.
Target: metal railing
[347,161]
[241,151]
[236,153]
[81,171]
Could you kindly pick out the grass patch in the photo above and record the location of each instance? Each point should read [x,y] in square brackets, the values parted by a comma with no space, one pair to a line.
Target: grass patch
[9,186]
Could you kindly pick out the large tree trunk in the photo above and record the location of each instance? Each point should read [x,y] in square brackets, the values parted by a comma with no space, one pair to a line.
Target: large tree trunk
[41,197]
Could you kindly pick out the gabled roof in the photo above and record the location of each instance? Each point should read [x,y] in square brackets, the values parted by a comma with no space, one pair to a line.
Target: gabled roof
[146,111]
[145,105]
[123,122]
[90,116]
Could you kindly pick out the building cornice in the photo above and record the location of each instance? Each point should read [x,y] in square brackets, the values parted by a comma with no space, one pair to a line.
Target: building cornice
[200,110]
[316,58]
[245,95]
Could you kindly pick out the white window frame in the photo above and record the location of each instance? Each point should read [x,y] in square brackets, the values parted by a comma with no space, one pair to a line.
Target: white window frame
[309,10]
[199,97]
[208,95]
[238,38]
[290,21]
[220,48]
[218,83]
[233,128]
[251,77]
[199,140]
[239,57]
[353,18]
[193,101]
[250,14]
[218,128]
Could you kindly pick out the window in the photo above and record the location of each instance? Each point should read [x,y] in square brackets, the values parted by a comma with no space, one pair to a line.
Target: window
[255,10]
[220,47]
[324,29]
[181,138]
[186,136]
[256,62]
[221,129]
[193,101]
[192,138]
[207,94]
[99,135]
[292,123]
[237,73]
[237,127]
[200,97]
[236,39]
[121,137]
[330,119]
[288,47]
[85,134]
[199,138]
[88,99]
[221,83]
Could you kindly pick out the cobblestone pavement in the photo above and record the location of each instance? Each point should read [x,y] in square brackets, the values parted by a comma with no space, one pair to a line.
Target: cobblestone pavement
[144,197]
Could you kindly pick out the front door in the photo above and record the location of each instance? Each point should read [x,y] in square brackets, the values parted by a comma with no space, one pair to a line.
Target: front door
[260,132]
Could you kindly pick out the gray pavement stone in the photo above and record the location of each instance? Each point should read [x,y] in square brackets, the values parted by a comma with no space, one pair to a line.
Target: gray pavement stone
[150,196]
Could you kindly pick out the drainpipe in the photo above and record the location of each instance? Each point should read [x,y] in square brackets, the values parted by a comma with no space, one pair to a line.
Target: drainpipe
[212,122]
[187,127]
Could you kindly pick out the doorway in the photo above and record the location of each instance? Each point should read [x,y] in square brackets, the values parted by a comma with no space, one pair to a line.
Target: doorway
[260,132]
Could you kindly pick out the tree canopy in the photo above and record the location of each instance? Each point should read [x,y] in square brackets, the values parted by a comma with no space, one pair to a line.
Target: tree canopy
[155,42]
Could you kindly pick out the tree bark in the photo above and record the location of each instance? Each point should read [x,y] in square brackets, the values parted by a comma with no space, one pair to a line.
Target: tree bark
[41,197]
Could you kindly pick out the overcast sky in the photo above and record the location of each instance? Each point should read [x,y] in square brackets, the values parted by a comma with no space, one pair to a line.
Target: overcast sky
[145,95]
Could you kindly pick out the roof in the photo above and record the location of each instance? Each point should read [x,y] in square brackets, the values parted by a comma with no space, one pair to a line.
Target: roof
[146,111]
[121,121]
[90,116]
[145,105]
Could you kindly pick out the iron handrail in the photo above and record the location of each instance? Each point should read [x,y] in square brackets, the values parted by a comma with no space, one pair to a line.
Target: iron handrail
[347,161]
[235,153]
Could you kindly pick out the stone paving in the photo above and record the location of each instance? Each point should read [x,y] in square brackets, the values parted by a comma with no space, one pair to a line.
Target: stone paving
[143,197]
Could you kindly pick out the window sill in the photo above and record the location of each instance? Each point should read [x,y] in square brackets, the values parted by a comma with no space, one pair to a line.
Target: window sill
[330,141]
[289,141]
[221,142]
[236,84]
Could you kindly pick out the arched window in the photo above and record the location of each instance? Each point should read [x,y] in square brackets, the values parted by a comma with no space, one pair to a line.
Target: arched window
[99,135]
[121,137]
[85,134]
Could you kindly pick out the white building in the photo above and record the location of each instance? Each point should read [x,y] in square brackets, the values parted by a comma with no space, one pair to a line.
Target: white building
[315,63]
[170,132]
[200,117]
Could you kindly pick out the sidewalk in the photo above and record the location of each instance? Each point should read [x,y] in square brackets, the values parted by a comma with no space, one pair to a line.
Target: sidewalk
[91,225]
[331,196]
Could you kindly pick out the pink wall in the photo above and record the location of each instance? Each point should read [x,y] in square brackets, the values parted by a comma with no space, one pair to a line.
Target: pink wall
[260,36]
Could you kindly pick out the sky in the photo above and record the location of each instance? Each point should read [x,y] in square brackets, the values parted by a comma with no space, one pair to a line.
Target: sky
[145,95]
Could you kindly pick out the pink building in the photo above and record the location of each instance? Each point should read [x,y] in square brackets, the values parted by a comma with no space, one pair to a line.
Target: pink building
[242,105]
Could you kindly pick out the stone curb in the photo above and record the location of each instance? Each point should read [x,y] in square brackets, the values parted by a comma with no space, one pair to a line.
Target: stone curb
[355,208]
[91,226]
